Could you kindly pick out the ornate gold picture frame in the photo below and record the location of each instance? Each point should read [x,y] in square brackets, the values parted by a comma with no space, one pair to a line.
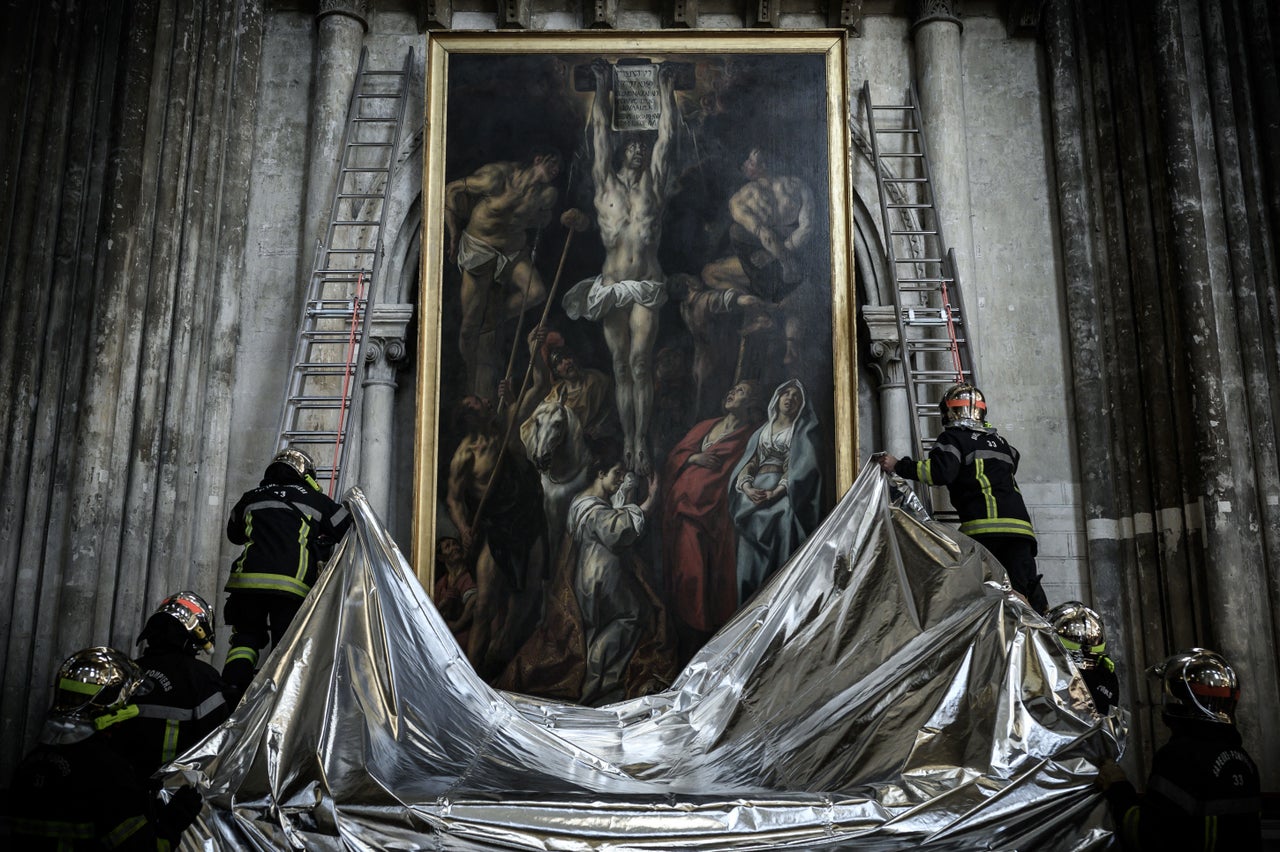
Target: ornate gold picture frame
[637,308]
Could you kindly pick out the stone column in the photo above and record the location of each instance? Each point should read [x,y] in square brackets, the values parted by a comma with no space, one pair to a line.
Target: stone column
[895,407]
[1240,620]
[342,25]
[384,355]
[939,76]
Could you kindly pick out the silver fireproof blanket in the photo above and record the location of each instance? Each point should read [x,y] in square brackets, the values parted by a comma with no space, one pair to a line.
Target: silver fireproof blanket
[883,691]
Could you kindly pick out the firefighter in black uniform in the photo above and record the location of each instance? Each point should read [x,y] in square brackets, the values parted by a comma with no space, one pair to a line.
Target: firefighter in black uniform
[288,527]
[1203,793]
[77,790]
[977,466]
[1084,638]
[185,703]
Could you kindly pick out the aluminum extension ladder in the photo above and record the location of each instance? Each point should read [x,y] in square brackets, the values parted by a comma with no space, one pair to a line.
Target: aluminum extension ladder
[926,287]
[322,398]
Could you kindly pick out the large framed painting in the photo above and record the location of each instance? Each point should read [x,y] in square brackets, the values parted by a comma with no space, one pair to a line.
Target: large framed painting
[636,386]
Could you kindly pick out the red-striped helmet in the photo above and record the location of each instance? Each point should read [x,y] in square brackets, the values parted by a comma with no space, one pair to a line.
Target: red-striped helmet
[192,614]
[963,404]
[1198,684]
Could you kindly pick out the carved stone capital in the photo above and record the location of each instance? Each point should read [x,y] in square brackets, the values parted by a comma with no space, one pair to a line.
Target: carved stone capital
[387,350]
[935,11]
[885,344]
[355,9]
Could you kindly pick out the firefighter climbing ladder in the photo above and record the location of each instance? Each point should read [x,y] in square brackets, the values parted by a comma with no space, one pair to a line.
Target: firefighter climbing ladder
[926,287]
[322,401]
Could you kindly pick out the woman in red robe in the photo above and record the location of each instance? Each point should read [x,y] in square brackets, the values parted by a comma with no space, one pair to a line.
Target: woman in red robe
[698,551]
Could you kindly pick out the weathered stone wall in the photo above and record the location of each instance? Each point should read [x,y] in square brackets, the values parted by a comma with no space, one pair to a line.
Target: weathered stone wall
[126,146]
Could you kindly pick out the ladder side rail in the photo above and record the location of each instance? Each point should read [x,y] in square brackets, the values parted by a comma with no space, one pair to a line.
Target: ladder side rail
[355,406]
[355,350]
[891,251]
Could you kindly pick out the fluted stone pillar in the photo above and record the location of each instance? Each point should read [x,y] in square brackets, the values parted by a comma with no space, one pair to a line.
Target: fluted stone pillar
[939,75]
[342,25]
[383,357]
[895,406]
[1240,620]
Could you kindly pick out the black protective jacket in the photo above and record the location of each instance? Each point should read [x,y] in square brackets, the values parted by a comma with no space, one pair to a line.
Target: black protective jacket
[977,466]
[84,795]
[287,527]
[184,706]
[1203,794]
[1103,685]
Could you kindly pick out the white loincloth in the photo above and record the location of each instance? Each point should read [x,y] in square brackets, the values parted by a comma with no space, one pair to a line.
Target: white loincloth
[474,252]
[591,299]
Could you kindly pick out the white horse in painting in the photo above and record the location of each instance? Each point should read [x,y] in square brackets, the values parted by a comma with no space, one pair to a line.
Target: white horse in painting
[553,441]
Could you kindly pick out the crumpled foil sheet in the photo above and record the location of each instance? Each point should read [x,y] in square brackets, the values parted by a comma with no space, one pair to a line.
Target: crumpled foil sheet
[882,692]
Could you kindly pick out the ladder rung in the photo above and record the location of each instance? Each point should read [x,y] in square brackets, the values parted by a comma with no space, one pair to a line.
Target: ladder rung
[327,368]
[341,335]
[909,206]
[319,401]
[889,107]
[933,344]
[923,311]
[364,170]
[917,260]
[896,130]
[335,274]
[343,195]
[323,436]
[330,313]
[348,305]
[903,180]
[306,404]
[902,155]
[939,280]
[913,233]
[329,306]
[928,344]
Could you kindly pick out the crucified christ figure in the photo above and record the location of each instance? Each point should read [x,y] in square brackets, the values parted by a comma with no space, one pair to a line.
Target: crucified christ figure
[631,287]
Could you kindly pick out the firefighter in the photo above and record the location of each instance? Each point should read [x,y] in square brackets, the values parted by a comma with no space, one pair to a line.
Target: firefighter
[288,527]
[78,789]
[1203,792]
[978,466]
[186,701]
[1083,636]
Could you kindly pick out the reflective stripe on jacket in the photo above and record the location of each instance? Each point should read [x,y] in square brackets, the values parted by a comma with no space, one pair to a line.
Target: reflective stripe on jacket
[977,466]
